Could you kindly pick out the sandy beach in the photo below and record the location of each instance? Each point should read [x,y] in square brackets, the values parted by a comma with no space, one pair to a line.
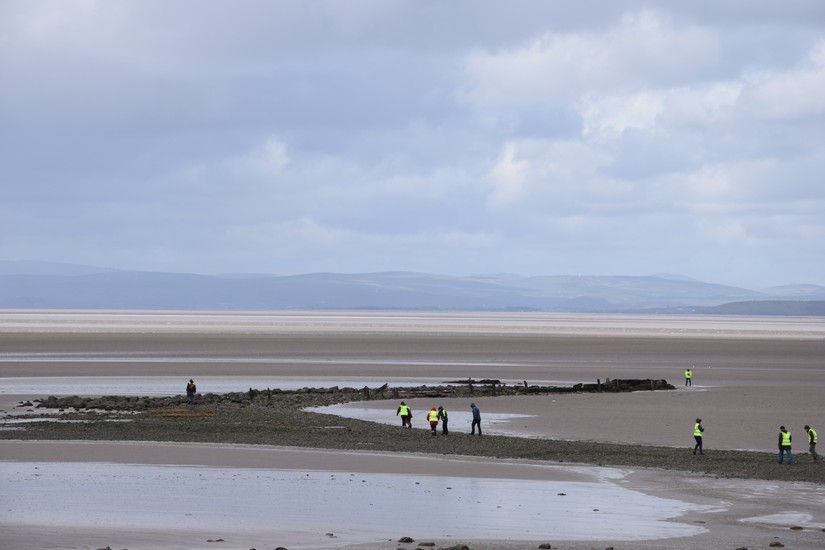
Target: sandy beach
[751,376]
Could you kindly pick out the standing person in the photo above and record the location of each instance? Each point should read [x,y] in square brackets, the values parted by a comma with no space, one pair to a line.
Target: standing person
[442,414]
[476,419]
[812,438]
[191,390]
[688,377]
[405,412]
[697,435]
[432,416]
[785,445]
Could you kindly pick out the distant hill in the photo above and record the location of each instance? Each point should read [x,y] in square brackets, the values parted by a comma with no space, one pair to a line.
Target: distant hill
[771,307]
[64,286]
[48,268]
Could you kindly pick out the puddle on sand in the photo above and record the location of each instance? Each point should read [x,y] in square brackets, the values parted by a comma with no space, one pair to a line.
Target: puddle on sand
[492,423]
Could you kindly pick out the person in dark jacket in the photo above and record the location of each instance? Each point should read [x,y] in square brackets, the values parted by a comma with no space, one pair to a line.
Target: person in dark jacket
[191,391]
[476,419]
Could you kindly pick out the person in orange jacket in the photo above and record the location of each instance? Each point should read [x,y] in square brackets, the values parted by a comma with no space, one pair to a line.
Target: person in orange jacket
[432,417]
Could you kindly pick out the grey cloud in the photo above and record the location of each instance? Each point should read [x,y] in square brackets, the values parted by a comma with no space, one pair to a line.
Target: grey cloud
[292,137]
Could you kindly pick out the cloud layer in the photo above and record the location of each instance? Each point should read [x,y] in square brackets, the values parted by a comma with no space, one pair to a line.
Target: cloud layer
[469,137]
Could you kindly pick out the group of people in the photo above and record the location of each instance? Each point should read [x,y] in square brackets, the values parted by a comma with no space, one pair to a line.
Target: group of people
[434,416]
[784,441]
[784,435]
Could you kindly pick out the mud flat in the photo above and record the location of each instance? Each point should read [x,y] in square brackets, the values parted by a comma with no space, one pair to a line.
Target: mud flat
[752,375]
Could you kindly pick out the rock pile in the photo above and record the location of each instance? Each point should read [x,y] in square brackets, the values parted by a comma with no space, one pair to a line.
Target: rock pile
[333,395]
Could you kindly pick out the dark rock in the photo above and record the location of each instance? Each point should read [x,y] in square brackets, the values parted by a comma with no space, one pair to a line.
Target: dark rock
[545,545]
[776,544]
[405,540]
[796,528]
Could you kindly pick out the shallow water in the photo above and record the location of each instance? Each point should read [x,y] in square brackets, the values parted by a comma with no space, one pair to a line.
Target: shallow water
[168,385]
[354,507]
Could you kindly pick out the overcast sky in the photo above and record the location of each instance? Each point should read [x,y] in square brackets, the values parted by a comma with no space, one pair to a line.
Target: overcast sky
[538,138]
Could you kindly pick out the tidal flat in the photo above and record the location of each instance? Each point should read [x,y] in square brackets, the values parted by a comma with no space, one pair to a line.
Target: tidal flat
[752,374]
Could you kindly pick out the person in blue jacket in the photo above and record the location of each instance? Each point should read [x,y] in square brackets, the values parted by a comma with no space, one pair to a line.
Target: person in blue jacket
[476,419]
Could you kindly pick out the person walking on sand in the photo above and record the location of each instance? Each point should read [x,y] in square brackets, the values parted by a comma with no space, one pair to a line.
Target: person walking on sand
[476,419]
[812,438]
[442,414]
[785,445]
[432,416]
[191,390]
[688,377]
[405,412]
[697,435]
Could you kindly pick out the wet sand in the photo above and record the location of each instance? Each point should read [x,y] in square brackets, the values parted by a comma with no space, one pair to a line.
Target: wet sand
[751,376]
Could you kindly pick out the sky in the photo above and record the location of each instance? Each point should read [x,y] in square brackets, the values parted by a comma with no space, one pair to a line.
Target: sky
[597,137]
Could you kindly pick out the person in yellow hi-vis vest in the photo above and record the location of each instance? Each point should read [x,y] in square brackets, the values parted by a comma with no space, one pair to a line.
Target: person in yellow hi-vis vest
[405,412]
[812,438]
[697,435]
[432,417]
[785,445]
[688,377]
[442,414]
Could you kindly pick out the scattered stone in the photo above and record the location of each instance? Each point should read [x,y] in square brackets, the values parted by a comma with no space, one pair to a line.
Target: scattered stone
[776,544]
[331,535]
[562,494]
[742,548]
[280,548]
[796,528]
[545,545]
[455,547]
[215,540]
[105,548]
[405,540]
